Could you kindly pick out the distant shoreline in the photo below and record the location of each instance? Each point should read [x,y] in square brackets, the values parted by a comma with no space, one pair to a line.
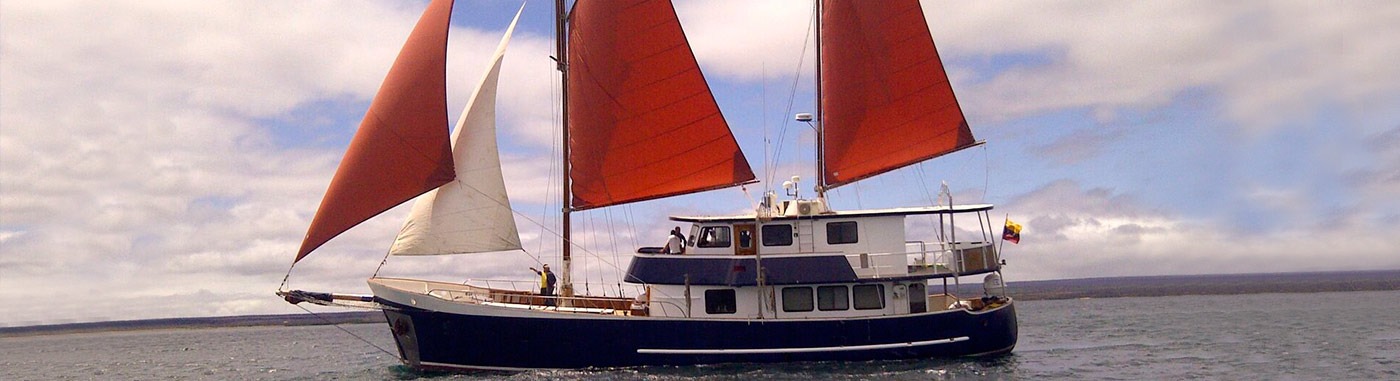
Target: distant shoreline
[1229,284]
[337,318]
[1139,286]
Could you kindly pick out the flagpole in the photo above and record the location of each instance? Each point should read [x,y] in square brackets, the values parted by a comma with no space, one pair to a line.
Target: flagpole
[1002,244]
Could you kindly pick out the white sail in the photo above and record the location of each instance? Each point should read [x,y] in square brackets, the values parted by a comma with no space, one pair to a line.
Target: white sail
[472,213]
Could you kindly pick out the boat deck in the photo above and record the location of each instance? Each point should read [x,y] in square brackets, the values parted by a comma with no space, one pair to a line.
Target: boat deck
[466,293]
[596,305]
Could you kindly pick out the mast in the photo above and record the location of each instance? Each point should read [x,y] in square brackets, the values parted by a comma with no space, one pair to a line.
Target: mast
[561,58]
[821,119]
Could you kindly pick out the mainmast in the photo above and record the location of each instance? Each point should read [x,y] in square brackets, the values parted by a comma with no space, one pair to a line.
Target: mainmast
[820,118]
[561,57]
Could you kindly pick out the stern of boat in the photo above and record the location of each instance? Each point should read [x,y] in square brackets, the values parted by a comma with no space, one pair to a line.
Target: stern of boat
[1002,330]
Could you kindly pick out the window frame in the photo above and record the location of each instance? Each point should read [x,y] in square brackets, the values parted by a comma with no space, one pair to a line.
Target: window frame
[726,238]
[716,298]
[845,299]
[863,303]
[763,235]
[854,232]
[918,301]
[810,305]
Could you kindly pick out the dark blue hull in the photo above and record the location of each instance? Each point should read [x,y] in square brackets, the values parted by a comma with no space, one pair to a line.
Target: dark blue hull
[437,340]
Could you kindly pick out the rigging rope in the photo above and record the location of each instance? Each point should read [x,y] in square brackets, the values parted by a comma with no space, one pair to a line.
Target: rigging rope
[590,223]
[283,287]
[613,237]
[922,180]
[352,334]
[792,97]
[552,188]
[986,174]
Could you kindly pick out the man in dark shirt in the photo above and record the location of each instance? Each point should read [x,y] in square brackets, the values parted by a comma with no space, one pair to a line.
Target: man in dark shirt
[547,281]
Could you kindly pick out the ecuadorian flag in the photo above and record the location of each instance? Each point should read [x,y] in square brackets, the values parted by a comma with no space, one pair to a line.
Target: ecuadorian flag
[1012,232]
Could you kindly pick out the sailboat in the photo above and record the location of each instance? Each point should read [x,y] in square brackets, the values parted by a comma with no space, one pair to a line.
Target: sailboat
[792,281]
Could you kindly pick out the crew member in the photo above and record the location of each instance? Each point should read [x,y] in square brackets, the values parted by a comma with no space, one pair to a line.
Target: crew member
[675,242]
[547,281]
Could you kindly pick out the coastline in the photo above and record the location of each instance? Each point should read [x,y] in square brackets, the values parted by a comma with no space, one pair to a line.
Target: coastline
[1116,287]
[1215,284]
[337,318]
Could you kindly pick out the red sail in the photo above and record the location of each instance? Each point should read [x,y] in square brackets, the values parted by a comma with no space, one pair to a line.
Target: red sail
[886,101]
[642,121]
[401,149]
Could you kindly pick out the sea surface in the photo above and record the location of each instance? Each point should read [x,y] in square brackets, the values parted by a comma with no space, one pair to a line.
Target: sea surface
[1319,336]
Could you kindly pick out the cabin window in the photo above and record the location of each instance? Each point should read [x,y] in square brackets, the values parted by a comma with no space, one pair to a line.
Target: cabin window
[777,235]
[918,301]
[797,299]
[746,238]
[719,302]
[841,232]
[694,232]
[714,236]
[833,298]
[869,296]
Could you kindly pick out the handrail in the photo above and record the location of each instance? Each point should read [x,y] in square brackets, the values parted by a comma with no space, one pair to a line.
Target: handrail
[533,285]
[667,306]
[475,294]
[949,258]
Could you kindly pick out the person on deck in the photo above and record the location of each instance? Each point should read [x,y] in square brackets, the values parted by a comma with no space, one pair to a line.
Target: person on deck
[547,281]
[675,242]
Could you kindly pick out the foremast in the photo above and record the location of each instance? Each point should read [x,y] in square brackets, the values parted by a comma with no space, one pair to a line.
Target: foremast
[634,98]
[561,16]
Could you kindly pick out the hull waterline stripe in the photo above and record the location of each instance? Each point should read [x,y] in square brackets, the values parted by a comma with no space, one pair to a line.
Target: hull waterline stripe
[443,366]
[800,350]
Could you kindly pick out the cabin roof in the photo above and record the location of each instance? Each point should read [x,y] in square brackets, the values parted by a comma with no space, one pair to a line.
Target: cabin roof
[966,208]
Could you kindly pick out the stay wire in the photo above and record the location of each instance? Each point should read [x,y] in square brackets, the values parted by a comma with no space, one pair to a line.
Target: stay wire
[283,287]
[986,175]
[612,234]
[352,334]
[792,97]
[552,189]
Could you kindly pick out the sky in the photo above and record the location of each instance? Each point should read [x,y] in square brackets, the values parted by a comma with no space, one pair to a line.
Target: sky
[164,158]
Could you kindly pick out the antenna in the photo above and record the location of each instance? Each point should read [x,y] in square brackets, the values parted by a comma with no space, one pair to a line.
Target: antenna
[792,188]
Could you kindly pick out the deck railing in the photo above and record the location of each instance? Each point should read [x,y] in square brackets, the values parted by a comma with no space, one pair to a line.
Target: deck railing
[491,293]
[939,259]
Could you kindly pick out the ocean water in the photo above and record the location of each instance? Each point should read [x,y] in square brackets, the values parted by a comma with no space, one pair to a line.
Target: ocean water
[1322,336]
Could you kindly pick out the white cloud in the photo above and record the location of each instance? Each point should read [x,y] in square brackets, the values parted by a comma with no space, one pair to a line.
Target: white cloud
[137,159]
[1271,62]
[1382,183]
[1073,232]
[146,168]
[747,39]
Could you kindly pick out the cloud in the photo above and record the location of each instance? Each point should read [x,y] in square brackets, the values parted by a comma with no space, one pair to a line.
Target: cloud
[748,39]
[1073,232]
[1080,145]
[1271,63]
[1381,182]
[163,159]
[137,154]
